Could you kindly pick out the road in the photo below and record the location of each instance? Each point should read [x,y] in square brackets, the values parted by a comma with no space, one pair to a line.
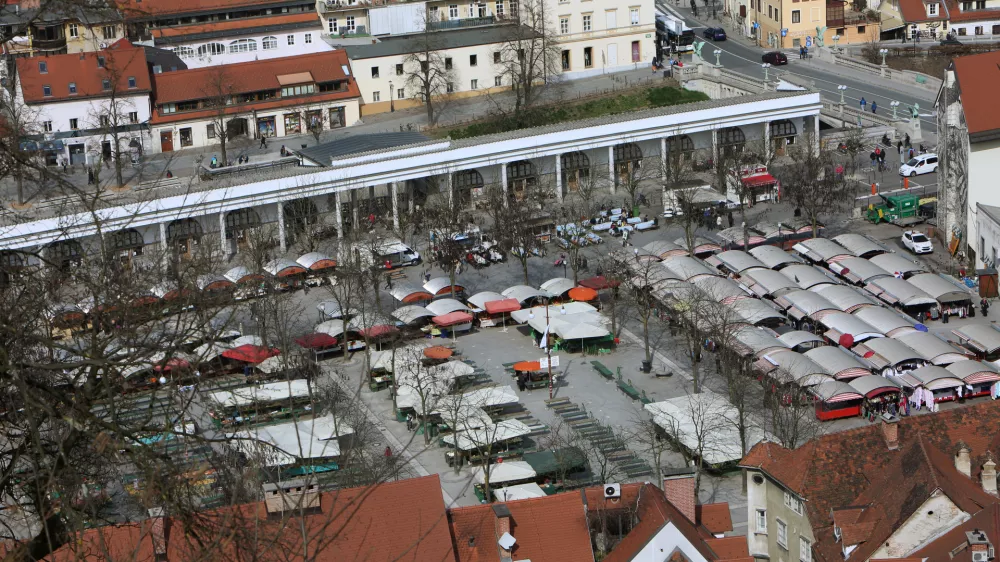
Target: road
[739,55]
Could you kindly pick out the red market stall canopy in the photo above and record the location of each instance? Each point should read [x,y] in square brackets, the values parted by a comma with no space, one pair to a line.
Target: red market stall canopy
[759,180]
[599,283]
[170,291]
[316,341]
[437,352]
[173,364]
[378,330]
[582,294]
[316,261]
[249,353]
[502,306]
[211,282]
[527,366]
[241,274]
[452,319]
[284,268]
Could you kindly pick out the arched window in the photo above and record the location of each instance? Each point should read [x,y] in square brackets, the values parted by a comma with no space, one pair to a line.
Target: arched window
[211,49]
[243,46]
[467,179]
[64,254]
[783,128]
[628,152]
[522,169]
[184,52]
[732,136]
[683,143]
[241,219]
[183,229]
[575,161]
[128,239]
[270,42]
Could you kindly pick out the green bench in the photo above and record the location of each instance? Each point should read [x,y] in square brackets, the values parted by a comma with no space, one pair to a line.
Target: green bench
[627,388]
[646,399]
[602,370]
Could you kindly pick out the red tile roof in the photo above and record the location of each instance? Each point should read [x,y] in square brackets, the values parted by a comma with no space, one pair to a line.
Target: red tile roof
[122,61]
[715,517]
[854,469]
[137,9]
[979,80]
[958,16]
[551,529]
[913,11]
[404,520]
[254,76]
[729,548]
[235,25]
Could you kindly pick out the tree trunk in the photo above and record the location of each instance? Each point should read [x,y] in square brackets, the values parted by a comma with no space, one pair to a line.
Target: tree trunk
[222,148]
[524,267]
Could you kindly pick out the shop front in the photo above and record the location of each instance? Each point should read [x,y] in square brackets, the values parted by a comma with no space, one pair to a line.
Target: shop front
[293,124]
[266,127]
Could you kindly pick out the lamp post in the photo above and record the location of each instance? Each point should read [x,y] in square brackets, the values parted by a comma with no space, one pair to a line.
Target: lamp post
[392,103]
[545,342]
[883,52]
[894,105]
[718,53]
[765,66]
[842,89]
[836,40]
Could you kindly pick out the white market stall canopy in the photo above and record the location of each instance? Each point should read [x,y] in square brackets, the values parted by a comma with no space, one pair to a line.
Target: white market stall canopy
[507,471]
[523,315]
[519,492]
[441,307]
[288,443]
[706,414]
[484,437]
[270,392]
[480,299]
[411,313]
[557,285]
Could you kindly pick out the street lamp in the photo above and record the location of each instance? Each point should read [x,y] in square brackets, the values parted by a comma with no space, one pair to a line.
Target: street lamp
[894,105]
[883,52]
[545,340]
[836,39]
[392,103]
[765,66]
[842,89]
[718,53]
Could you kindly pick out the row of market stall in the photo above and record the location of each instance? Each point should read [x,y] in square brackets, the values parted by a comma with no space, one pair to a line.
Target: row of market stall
[803,325]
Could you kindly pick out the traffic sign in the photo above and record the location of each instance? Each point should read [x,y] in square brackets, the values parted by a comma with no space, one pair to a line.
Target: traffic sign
[809,41]
[784,32]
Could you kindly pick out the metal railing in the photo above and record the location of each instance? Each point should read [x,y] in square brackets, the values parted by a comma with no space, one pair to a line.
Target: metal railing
[460,23]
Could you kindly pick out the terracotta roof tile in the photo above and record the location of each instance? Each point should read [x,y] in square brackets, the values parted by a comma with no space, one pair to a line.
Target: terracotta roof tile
[729,548]
[137,9]
[854,468]
[553,528]
[235,25]
[121,62]
[979,80]
[913,11]
[715,517]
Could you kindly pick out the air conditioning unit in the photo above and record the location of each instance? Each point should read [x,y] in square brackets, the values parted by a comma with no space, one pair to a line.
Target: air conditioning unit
[612,491]
[980,556]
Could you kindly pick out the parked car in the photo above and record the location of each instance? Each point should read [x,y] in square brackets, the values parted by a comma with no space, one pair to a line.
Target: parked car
[917,242]
[918,165]
[775,58]
[950,42]
[715,33]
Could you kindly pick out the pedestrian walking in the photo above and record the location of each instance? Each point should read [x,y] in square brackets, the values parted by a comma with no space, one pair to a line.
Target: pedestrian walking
[90,176]
[388,281]
[718,222]
[899,148]
[864,104]
[874,107]
[873,157]
[388,452]
[409,422]
[263,142]
[729,216]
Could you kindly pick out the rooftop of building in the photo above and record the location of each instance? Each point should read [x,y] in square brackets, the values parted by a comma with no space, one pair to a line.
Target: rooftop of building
[914,11]
[396,45]
[855,478]
[350,144]
[978,79]
[122,64]
[169,35]
[139,10]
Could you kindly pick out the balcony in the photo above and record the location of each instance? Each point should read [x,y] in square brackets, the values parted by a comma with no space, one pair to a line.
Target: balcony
[48,45]
[329,6]
[461,23]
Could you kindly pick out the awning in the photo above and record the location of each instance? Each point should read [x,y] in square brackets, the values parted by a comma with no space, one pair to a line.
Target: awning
[378,330]
[250,353]
[527,366]
[316,341]
[759,180]
[437,352]
[241,274]
[452,319]
[284,268]
[599,283]
[315,261]
[582,294]
[502,306]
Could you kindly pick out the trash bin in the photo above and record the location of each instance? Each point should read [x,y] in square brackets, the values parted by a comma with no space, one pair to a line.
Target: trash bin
[647,366]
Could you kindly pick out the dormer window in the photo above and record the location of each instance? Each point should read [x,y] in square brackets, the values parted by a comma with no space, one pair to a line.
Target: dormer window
[932,9]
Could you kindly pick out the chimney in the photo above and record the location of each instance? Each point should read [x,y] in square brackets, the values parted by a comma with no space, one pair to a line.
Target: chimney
[505,541]
[989,475]
[678,486]
[963,460]
[157,534]
[979,545]
[291,495]
[890,432]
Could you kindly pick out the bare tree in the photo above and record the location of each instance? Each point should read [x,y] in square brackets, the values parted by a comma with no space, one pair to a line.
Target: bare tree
[650,439]
[697,426]
[512,224]
[811,183]
[428,71]
[529,57]
[112,117]
[219,95]
[791,415]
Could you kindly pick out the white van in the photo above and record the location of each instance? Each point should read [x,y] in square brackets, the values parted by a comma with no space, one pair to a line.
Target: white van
[923,164]
[396,254]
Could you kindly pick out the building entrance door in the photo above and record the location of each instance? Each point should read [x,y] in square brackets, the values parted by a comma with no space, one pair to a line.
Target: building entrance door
[166,141]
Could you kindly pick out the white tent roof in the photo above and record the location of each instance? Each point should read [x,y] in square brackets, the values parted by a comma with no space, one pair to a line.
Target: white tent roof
[441,307]
[555,311]
[519,492]
[773,256]
[893,290]
[557,285]
[507,471]
[896,263]
[685,417]
[275,267]
[859,244]
[844,297]
[820,249]
[886,321]
[290,442]
[755,311]
[767,282]
[497,433]
[941,288]
[409,313]
[275,364]
[480,299]
[270,392]
[409,354]
[310,259]
[524,292]
[437,284]
[807,276]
